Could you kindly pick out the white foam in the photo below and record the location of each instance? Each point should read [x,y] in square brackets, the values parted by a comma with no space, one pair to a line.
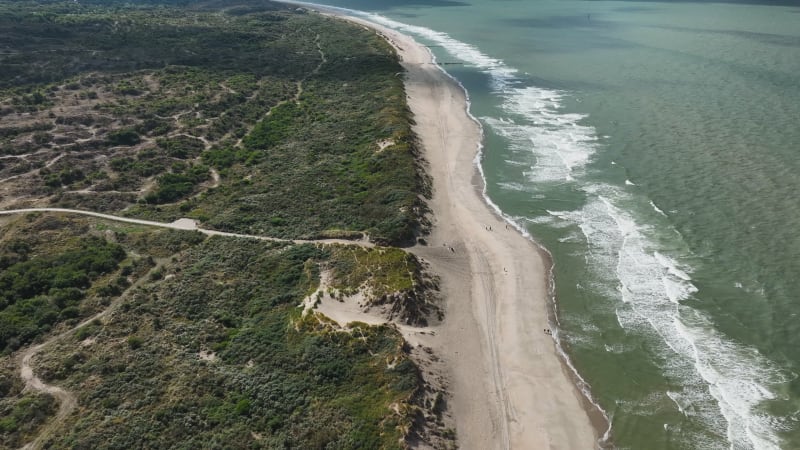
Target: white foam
[672,266]
[536,125]
[571,237]
[502,75]
[514,162]
[513,186]
[736,386]
[678,400]
[550,220]
[651,286]
[675,292]
[656,208]
[629,183]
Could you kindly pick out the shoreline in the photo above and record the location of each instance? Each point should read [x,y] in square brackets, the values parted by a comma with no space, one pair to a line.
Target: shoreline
[511,387]
[597,415]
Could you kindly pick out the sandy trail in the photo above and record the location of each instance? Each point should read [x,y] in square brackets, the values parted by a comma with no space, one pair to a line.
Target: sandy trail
[185,224]
[66,400]
[215,178]
[510,388]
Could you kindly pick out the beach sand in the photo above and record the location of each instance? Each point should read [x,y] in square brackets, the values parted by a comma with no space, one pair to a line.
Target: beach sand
[509,388]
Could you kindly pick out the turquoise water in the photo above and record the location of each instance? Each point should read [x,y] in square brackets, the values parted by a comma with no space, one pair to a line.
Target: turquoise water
[654,149]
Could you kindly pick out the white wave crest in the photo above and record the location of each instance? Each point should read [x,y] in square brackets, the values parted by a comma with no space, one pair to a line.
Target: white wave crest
[560,144]
[652,287]
[657,209]
[502,75]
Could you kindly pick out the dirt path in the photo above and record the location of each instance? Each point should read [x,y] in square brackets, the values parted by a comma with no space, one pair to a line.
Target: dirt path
[215,178]
[206,143]
[25,155]
[67,402]
[48,164]
[186,224]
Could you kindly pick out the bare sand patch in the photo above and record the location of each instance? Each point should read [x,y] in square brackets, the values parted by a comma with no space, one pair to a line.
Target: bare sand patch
[184,224]
[206,355]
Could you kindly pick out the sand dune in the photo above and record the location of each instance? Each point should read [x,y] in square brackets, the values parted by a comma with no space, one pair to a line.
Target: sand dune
[509,387]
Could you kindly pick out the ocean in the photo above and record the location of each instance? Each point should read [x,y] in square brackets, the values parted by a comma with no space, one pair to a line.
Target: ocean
[654,149]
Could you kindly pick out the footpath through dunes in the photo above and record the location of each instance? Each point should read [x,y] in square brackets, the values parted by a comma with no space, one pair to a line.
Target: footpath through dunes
[186,224]
[67,401]
[510,388]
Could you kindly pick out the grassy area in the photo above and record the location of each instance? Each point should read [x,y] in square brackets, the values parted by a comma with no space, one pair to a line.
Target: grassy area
[214,352]
[116,107]
[56,270]
[211,349]
[44,277]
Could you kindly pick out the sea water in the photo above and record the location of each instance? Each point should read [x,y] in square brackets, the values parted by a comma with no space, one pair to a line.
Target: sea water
[654,149]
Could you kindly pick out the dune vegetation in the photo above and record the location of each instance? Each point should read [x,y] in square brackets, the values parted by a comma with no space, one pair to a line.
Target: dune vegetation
[199,341]
[249,117]
[256,119]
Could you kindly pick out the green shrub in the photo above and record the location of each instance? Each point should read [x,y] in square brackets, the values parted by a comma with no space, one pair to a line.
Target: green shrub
[39,292]
[123,137]
[174,186]
[135,342]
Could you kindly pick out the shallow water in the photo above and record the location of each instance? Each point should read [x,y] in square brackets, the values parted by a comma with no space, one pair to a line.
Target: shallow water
[653,148]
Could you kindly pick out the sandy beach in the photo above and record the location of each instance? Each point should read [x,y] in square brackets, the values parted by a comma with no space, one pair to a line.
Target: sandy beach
[509,388]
